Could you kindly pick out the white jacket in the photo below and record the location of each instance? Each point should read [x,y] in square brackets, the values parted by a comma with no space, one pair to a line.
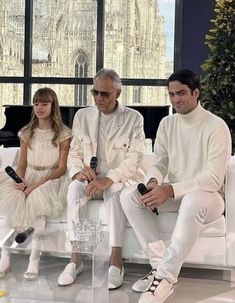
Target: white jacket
[125,143]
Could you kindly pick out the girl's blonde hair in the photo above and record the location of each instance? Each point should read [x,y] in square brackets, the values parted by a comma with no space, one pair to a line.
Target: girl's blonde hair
[45,95]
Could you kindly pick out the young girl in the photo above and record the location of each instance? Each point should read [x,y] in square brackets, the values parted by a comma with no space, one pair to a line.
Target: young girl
[44,146]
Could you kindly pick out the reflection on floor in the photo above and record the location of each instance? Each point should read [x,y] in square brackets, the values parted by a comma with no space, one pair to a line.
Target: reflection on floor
[195,285]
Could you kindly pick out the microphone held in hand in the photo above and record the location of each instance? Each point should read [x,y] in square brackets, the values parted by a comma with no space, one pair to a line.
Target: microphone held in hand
[94,163]
[144,190]
[21,237]
[10,171]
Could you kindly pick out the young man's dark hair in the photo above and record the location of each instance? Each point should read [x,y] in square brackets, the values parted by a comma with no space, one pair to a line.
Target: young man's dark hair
[187,77]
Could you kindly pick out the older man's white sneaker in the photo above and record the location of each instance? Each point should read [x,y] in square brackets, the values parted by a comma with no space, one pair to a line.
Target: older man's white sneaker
[115,277]
[68,276]
[158,292]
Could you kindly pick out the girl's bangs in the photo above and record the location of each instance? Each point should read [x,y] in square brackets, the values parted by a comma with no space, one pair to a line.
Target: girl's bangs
[43,99]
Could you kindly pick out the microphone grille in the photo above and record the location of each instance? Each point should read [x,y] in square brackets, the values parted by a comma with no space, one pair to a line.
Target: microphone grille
[8,169]
[94,163]
[141,188]
[20,238]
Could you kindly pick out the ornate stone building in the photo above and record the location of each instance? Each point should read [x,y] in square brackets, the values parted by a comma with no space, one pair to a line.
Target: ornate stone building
[64,45]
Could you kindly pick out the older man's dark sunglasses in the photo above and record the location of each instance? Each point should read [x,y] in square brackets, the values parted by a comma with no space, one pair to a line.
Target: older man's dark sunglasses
[95,93]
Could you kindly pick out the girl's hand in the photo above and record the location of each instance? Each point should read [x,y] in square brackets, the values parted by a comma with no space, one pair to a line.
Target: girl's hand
[20,186]
[30,188]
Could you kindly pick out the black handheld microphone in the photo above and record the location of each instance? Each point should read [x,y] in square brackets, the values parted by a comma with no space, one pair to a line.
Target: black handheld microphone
[10,171]
[94,163]
[143,190]
[21,237]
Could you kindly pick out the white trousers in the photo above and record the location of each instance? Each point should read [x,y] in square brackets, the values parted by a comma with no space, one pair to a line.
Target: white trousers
[195,209]
[77,208]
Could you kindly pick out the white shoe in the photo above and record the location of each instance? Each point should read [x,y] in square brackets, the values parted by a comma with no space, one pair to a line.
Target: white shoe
[115,277]
[143,284]
[68,276]
[158,291]
[4,267]
[32,270]
[3,272]
[30,276]
[4,262]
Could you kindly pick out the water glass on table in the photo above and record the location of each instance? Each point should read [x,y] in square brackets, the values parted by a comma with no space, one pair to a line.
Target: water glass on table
[88,234]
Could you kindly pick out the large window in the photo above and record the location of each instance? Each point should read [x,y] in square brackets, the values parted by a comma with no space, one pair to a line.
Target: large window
[64,38]
[61,44]
[138,38]
[12,24]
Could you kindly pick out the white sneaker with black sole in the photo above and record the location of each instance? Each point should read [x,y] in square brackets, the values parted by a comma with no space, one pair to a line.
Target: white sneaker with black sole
[158,292]
[142,284]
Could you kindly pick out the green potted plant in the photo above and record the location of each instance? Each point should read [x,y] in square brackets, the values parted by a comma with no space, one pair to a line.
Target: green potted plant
[218,80]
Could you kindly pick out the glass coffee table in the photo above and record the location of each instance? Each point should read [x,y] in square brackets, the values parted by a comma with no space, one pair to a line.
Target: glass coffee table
[90,286]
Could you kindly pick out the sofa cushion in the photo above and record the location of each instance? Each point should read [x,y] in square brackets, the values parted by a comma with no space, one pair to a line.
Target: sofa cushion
[167,220]
[215,228]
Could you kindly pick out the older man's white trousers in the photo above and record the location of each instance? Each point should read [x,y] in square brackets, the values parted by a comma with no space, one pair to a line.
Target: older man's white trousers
[77,204]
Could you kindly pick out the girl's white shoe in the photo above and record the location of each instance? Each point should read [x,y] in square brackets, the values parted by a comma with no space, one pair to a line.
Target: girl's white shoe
[4,269]
[4,263]
[32,270]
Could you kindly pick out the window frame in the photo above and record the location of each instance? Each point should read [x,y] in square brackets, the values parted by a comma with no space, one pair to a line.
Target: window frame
[27,80]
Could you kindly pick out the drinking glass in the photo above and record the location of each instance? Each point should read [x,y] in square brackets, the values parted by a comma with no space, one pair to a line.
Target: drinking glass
[88,234]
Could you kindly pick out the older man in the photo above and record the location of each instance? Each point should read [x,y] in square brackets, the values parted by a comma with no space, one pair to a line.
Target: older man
[114,134]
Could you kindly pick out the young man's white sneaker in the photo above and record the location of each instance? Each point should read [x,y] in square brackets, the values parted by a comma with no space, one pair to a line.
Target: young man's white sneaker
[143,284]
[115,277]
[158,291]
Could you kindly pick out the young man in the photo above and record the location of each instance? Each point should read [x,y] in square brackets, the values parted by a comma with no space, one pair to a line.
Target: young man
[193,149]
[114,134]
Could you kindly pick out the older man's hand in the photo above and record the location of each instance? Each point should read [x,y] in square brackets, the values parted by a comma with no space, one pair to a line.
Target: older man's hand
[97,186]
[86,174]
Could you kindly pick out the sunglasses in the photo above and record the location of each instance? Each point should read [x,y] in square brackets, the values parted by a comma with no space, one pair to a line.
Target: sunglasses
[95,93]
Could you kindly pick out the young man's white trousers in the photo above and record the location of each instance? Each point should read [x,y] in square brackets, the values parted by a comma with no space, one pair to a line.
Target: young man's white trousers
[77,208]
[195,209]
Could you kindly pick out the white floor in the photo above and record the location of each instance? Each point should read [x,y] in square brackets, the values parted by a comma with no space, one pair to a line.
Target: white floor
[195,285]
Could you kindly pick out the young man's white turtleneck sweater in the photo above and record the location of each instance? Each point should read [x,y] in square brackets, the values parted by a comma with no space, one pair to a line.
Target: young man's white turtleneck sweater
[192,152]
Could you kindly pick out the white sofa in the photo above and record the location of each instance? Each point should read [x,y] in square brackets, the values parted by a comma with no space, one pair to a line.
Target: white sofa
[215,248]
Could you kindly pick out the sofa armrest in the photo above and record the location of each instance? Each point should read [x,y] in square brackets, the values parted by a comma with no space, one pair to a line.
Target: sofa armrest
[9,157]
[230,197]
[230,213]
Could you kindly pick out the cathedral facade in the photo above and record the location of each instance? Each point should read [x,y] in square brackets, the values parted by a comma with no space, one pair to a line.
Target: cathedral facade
[64,45]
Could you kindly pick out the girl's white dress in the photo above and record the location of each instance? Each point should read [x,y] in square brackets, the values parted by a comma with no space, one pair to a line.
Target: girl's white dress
[48,199]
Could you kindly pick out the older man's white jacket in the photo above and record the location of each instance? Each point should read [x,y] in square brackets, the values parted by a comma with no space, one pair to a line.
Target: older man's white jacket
[124,147]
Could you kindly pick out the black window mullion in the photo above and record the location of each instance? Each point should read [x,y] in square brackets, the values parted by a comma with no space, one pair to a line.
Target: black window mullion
[178,34]
[28,51]
[100,34]
[143,82]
